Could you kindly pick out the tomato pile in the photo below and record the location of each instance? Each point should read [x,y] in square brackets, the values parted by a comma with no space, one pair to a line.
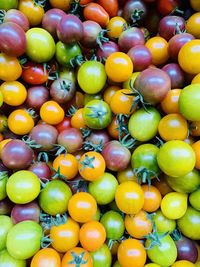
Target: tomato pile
[99,133]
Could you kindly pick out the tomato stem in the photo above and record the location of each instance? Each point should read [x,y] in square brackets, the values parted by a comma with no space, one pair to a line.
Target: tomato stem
[78,259]
[3,175]
[87,162]
[2,15]
[90,146]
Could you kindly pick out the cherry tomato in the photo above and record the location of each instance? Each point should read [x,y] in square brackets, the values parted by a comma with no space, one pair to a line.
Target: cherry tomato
[34,73]
[152,198]
[196,147]
[91,166]
[14,93]
[129,197]
[92,235]
[46,257]
[60,4]
[131,253]
[158,47]
[111,6]
[77,256]
[97,13]
[165,7]
[170,102]
[10,68]
[82,207]
[119,67]
[193,24]
[116,26]
[51,112]
[34,12]
[65,236]
[20,122]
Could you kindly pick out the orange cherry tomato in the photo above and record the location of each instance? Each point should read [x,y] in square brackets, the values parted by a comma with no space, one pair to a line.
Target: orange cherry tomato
[20,122]
[119,67]
[193,25]
[116,26]
[51,112]
[77,257]
[158,47]
[111,6]
[190,52]
[91,166]
[113,128]
[92,235]
[122,102]
[14,93]
[170,102]
[66,165]
[152,198]
[97,13]
[65,236]
[109,92]
[77,120]
[46,257]
[10,68]
[131,253]
[82,207]
[138,225]
[34,12]
[129,197]
[196,148]
[61,4]
[165,7]
[173,127]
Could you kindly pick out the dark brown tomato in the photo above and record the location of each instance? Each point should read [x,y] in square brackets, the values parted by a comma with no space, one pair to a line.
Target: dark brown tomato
[140,56]
[37,96]
[134,11]
[41,169]
[107,49]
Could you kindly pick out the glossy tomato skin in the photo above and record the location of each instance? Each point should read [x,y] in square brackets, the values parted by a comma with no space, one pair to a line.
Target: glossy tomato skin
[37,96]
[189,224]
[102,257]
[6,225]
[113,224]
[103,190]
[97,114]
[91,77]
[144,131]
[163,224]
[12,39]
[20,181]
[176,75]
[16,16]
[97,13]
[54,198]
[6,259]
[40,45]
[188,100]
[10,68]
[165,253]
[31,234]
[34,73]
[179,152]
[46,257]
[166,7]
[110,6]
[194,199]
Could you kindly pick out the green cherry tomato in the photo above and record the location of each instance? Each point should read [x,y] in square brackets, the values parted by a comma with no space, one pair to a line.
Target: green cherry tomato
[163,224]
[5,225]
[97,114]
[8,4]
[176,158]
[54,198]
[23,187]
[143,124]
[68,74]
[189,102]
[66,52]
[174,205]
[40,45]
[194,199]
[113,224]
[3,182]
[9,261]
[89,97]
[92,77]
[23,240]
[144,161]
[186,183]
[102,257]
[103,189]
[189,224]
[165,253]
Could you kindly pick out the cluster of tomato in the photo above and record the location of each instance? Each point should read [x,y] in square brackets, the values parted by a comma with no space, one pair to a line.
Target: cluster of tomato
[99,133]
